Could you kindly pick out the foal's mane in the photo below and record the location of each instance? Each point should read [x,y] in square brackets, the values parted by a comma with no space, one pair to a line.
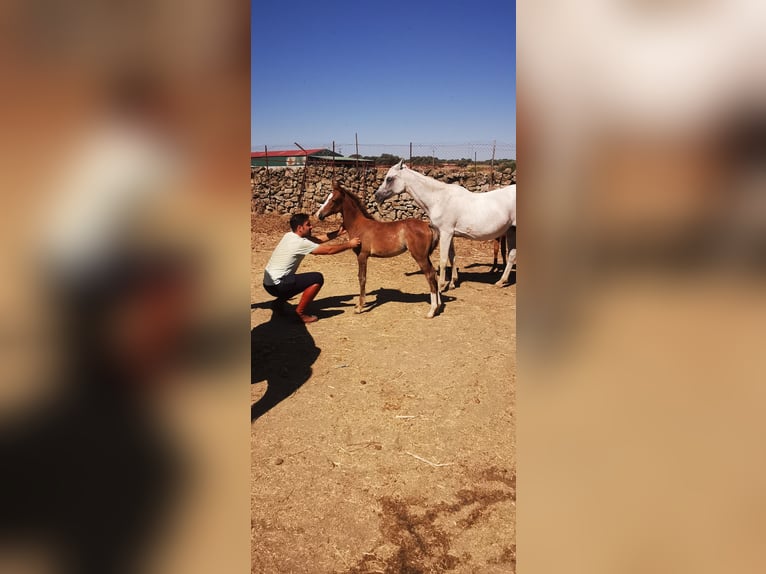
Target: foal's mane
[356,200]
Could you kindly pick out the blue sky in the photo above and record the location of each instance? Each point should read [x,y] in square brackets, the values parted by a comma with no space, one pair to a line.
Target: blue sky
[422,71]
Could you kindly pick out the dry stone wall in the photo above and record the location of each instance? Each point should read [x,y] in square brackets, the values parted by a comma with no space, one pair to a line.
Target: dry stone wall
[280,190]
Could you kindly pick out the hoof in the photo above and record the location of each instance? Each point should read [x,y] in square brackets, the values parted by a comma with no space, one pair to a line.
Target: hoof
[357,310]
[501,283]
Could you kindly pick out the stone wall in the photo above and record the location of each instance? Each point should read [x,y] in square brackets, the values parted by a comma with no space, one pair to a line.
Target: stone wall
[279,190]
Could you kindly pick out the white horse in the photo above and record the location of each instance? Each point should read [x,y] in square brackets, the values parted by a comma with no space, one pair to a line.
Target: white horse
[455,211]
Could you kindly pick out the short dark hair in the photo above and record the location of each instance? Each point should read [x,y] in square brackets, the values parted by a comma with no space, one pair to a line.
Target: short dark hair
[297,220]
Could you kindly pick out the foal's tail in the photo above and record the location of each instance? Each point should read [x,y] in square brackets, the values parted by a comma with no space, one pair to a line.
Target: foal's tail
[434,238]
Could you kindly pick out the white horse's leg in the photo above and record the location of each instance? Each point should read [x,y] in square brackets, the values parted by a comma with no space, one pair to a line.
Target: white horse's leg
[453,264]
[445,244]
[510,238]
[507,272]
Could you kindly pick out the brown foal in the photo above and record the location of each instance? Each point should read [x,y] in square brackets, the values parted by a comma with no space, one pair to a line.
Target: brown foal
[384,239]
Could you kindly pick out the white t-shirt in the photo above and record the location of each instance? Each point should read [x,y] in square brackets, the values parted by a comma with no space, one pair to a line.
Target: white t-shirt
[287,257]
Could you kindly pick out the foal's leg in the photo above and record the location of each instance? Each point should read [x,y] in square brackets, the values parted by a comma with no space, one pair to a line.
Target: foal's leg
[510,238]
[445,244]
[453,264]
[361,259]
[424,262]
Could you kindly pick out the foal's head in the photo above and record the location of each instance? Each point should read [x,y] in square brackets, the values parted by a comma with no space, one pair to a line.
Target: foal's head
[333,203]
[393,184]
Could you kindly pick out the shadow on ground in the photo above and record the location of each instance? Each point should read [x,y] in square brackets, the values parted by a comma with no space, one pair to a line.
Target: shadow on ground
[281,353]
[483,276]
[383,296]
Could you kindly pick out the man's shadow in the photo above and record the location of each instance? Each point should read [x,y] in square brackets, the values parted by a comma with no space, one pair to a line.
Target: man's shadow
[323,308]
[282,352]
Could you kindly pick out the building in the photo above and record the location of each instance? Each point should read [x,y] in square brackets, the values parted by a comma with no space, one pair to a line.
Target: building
[300,158]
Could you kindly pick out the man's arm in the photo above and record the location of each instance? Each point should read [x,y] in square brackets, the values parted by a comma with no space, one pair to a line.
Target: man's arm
[325,249]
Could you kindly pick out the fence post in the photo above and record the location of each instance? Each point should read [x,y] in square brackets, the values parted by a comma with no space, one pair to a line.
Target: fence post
[359,188]
[305,172]
[492,172]
[410,154]
[266,157]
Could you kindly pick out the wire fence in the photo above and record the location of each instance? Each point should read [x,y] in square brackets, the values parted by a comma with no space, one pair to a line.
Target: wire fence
[418,153]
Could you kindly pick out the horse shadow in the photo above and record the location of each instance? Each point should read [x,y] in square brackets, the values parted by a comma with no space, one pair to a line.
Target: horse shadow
[281,353]
[328,306]
[383,296]
[411,273]
[322,308]
[487,277]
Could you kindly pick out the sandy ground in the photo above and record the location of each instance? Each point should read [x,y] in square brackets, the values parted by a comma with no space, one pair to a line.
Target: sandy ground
[384,441]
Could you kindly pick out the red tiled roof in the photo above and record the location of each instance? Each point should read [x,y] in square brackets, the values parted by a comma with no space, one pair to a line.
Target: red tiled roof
[286,153]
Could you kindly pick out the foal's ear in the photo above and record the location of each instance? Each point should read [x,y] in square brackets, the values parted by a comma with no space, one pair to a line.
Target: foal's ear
[400,165]
[336,187]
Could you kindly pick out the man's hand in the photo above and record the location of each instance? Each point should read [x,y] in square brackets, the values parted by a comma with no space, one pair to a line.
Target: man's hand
[355,242]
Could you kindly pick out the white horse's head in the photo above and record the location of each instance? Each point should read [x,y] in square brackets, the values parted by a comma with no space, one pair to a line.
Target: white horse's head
[393,184]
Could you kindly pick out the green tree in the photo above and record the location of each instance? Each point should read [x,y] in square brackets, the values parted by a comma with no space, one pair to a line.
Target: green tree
[387,159]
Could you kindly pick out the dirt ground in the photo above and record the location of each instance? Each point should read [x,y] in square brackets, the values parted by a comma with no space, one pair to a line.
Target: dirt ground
[384,441]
